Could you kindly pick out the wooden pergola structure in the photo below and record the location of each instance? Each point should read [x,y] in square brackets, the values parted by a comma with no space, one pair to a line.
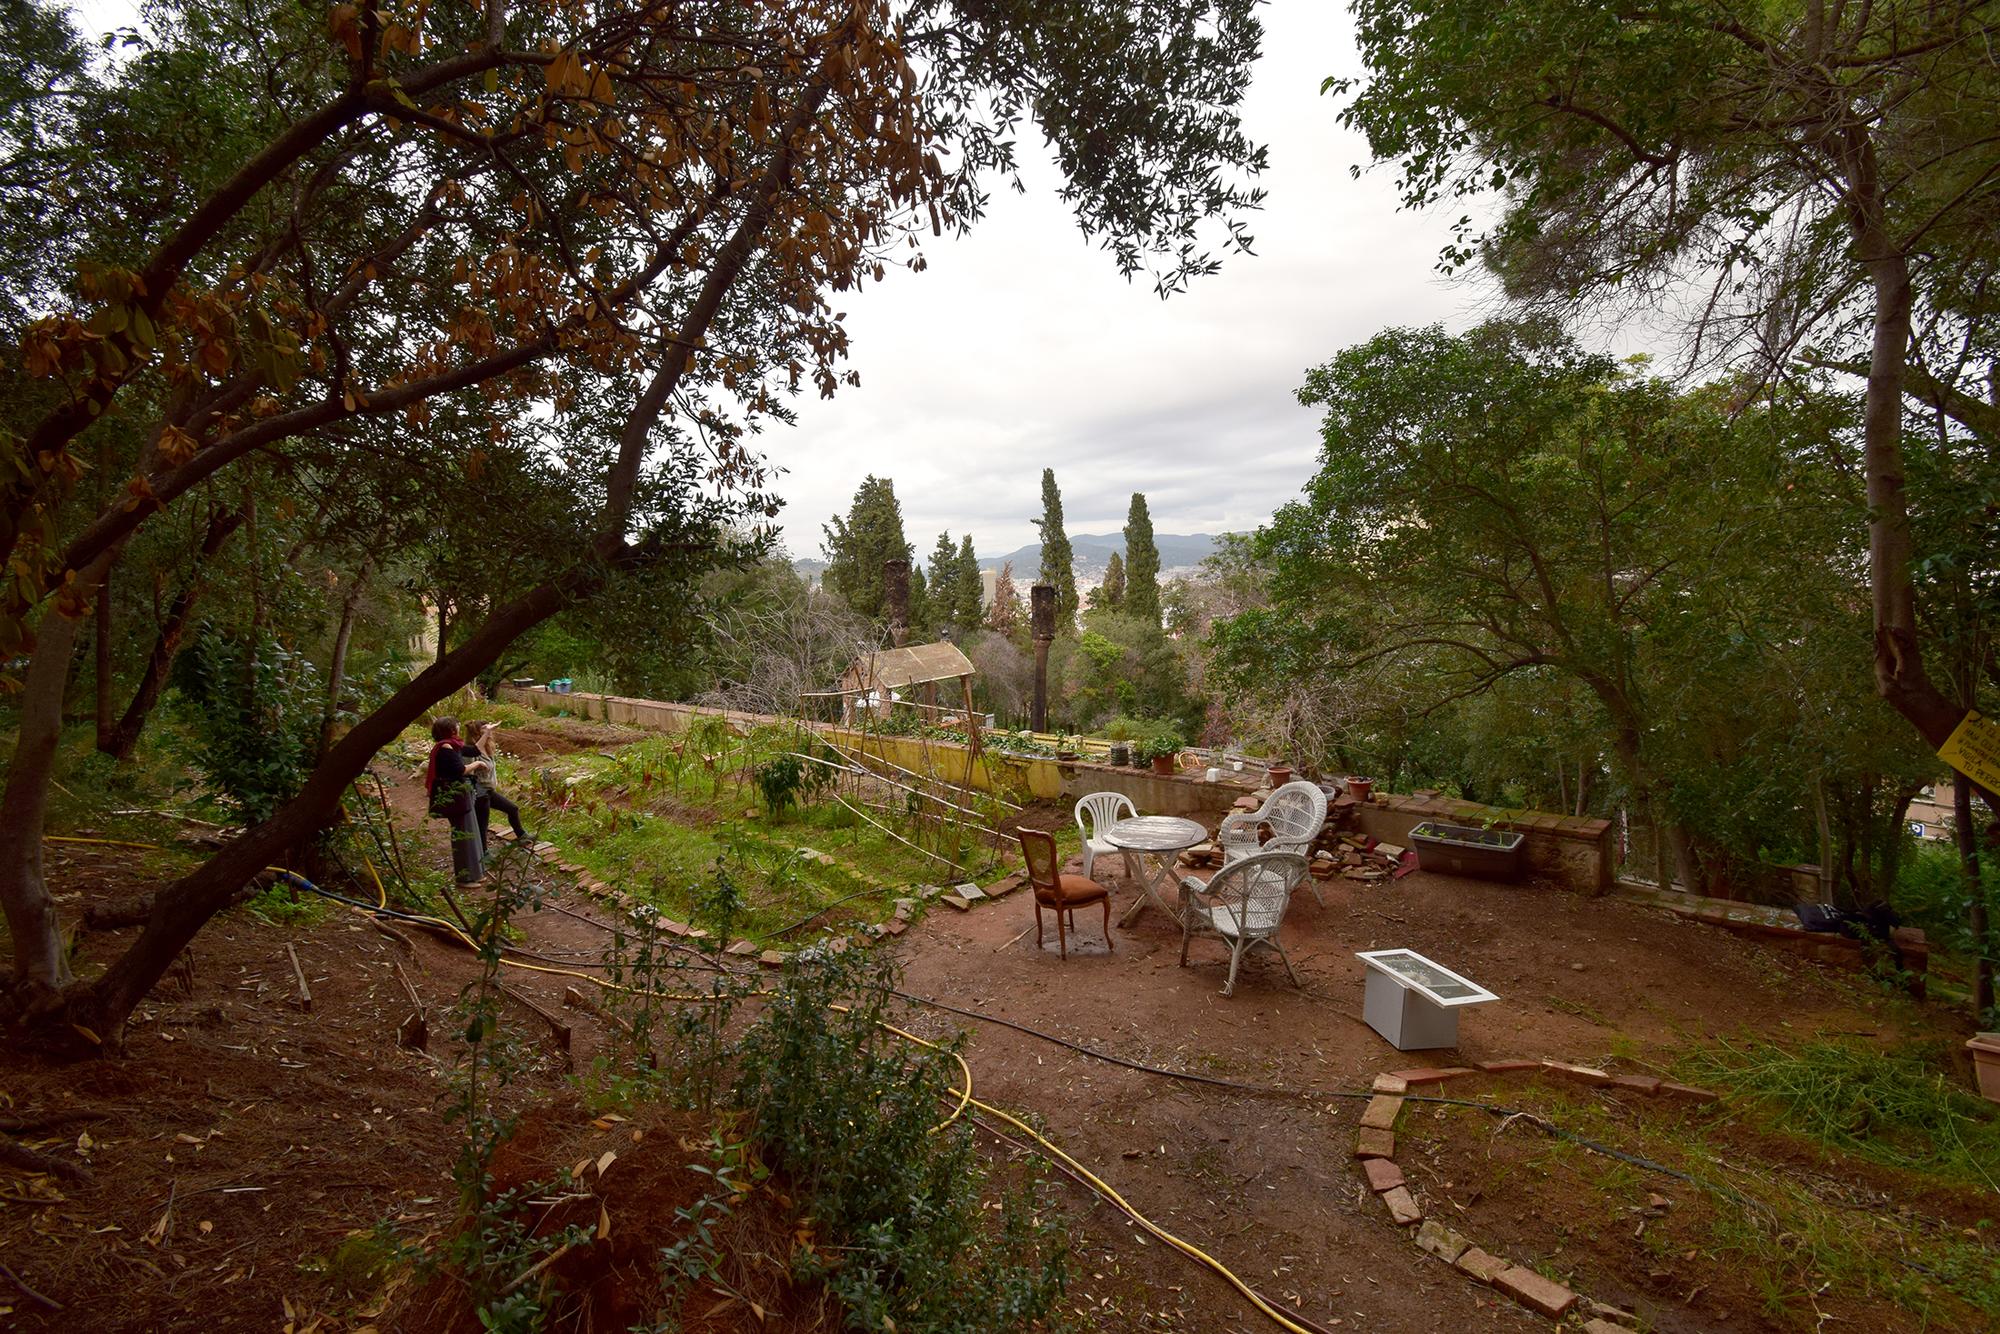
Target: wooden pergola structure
[875,684]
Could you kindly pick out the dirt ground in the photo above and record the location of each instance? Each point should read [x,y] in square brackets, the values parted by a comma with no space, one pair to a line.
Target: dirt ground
[244,1143]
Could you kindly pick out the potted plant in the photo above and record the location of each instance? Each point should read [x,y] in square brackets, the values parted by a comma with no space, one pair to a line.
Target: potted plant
[1463,850]
[1985,1049]
[1120,754]
[1162,751]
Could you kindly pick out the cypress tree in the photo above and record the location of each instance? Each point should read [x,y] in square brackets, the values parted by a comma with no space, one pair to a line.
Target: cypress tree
[923,608]
[1058,562]
[1110,594]
[856,547]
[971,588]
[1142,563]
[943,584]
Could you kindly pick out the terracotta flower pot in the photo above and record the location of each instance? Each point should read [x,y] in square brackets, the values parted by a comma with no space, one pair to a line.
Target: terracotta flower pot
[1985,1049]
[1163,765]
[1281,774]
[1359,788]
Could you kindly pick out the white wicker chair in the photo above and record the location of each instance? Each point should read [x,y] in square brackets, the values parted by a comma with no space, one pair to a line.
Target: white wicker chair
[1296,812]
[1244,905]
[1105,809]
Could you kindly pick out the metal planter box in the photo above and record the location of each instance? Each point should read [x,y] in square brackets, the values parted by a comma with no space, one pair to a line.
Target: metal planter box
[1462,850]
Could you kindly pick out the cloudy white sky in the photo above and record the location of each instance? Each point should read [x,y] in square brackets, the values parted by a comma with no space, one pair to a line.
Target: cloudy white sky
[1021,348]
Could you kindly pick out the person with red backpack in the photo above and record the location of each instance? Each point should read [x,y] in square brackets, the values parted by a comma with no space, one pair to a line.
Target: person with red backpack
[449,788]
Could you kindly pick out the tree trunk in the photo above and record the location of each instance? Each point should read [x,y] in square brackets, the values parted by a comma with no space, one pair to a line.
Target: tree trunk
[1900,676]
[1967,839]
[166,644]
[336,671]
[102,647]
[40,966]
[183,908]
[1669,836]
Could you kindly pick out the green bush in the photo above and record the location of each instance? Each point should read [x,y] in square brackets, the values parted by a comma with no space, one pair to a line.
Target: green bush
[850,1113]
[254,718]
[1931,893]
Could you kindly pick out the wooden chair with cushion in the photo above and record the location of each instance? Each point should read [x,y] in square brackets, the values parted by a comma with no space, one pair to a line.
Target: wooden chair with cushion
[1053,889]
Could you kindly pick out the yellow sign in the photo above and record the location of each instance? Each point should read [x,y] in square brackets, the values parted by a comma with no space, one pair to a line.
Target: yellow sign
[1973,749]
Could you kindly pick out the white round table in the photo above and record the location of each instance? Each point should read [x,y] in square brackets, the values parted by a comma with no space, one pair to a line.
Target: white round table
[1158,839]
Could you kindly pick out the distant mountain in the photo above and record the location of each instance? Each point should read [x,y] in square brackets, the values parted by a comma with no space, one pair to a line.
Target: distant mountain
[1093,552]
[1178,551]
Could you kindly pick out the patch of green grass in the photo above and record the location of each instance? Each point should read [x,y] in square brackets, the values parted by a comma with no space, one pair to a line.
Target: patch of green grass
[1898,1106]
[657,818]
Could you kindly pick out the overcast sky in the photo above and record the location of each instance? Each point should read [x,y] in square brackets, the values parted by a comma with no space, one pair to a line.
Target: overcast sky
[1021,348]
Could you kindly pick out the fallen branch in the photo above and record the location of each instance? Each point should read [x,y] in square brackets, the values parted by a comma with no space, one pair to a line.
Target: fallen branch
[556,1025]
[28,1125]
[17,1155]
[33,1296]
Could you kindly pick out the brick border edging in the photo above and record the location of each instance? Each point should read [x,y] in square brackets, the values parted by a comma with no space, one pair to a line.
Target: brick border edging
[1375,1150]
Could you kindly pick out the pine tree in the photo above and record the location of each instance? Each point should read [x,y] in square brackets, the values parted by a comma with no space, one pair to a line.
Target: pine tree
[1004,616]
[971,588]
[1142,564]
[857,546]
[1110,595]
[1058,561]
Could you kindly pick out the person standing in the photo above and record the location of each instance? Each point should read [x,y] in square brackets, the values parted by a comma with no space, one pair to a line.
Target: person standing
[449,788]
[482,762]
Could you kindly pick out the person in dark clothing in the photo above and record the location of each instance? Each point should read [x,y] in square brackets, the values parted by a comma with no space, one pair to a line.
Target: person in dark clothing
[450,789]
[482,761]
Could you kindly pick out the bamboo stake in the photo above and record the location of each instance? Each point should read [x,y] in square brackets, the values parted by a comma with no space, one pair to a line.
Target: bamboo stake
[883,759]
[893,834]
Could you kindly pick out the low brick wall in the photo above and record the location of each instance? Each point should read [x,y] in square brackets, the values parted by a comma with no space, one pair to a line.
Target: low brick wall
[1574,851]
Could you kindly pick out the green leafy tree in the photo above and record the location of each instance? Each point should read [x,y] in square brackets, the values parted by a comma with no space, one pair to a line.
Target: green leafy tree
[1503,507]
[1110,595]
[857,546]
[923,607]
[1142,563]
[1058,561]
[1827,171]
[477,241]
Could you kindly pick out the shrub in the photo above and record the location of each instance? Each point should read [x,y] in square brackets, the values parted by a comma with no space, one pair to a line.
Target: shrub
[851,1114]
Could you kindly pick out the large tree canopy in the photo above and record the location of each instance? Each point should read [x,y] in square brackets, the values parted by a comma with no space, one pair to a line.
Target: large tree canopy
[1503,511]
[1823,178]
[577,255]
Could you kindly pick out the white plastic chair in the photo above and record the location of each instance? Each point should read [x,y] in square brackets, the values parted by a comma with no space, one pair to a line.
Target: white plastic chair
[1296,813]
[1244,904]
[1105,809]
